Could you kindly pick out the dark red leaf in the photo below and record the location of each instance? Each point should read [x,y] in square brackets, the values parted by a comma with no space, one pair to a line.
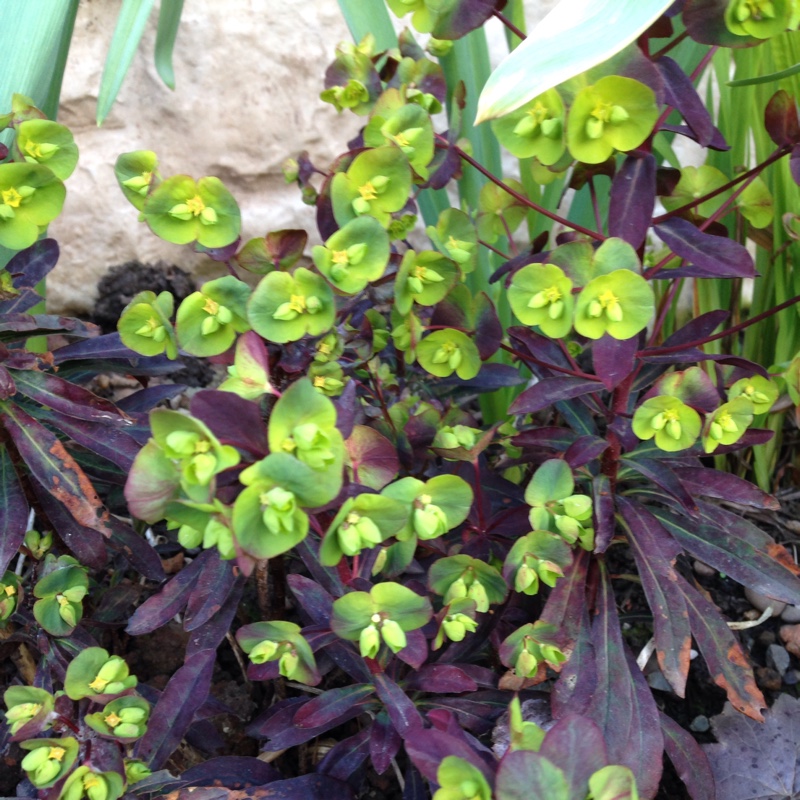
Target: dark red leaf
[285,247]
[135,549]
[465,16]
[441,679]
[488,330]
[372,457]
[566,602]
[415,653]
[13,511]
[475,712]
[575,744]
[384,742]
[550,390]
[211,590]
[524,774]
[689,760]
[726,660]
[306,787]
[681,94]
[316,602]
[232,772]
[540,347]
[664,477]
[633,198]
[331,705]
[705,22]
[30,266]
[343,760]
[655,552]
[781,120]
[711,256]
[399,706]
[210,634]
[232,419]
[605,524]
[549,438]
[623,705]
[725,486]
[614,359]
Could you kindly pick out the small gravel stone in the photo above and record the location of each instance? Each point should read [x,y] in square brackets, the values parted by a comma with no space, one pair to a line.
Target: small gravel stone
[703,569]
[766,638]
[791,614]
[768,678]
[778,658]
[700,724]
[792,677]
[761,601]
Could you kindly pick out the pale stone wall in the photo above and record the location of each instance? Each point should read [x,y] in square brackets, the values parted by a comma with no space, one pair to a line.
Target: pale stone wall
[248,76]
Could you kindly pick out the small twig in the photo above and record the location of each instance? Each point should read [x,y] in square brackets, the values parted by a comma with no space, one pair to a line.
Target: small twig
[743,626]
[644,656]
[509,24]
[238,655]
[262,587]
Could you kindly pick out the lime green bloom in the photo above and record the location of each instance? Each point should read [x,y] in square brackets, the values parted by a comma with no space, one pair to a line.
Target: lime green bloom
[136,770]
[354,256]
[674,425]
[535,129]
[145,326]
[123,718]
[761,392]
[615,114]
[137,174]
[31,197]
[620,304]
[41,141]
[9,595]
[85,782]
[541,294]
[49,760]
[444,352]
[181,211]
[425,13]
[529,646]
[284,308]
[728,423]
[424,278]
[328,379]
[451,436]
[455,236]
[762,19]
[459,780]
[498,211]
[283,642]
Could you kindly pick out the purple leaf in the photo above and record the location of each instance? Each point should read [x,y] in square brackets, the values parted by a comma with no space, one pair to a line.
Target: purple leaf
[794,164]
[605,523]
[583,450]
[345,758]
[45,323]
[632,199]
[664,477]
[372,457]
[135,549]
[655,552]
[765,572]
[30,266]
[400,708]
[723,654]
[705,22]
[185,692]
[384,743]
[232,419]
[566,602]
[208,636]
[725,486]
[540,347]
[316,602]
[576,745]
[306,787]
[54,468]
[162,607]
[146,399]
[346,407]
[475,712]
[488,330]
[464,17]
[717,142]
[689,760]
[614,359]
[550,390]
[286,246]
[715,256]
[88,545]
[623,705]
[490,378]
[757,762]
[13,511]
[20,303]
[524,774]
[441,679]
[549,438]
[681,94]
[232,772]
[331,705]
[697,328]
[209,593]
[781,121]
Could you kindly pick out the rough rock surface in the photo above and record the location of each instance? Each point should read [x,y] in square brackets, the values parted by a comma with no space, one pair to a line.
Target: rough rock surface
[248,77]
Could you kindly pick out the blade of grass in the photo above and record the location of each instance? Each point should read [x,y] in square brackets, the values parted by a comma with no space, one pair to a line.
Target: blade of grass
[128,32]
[169,19]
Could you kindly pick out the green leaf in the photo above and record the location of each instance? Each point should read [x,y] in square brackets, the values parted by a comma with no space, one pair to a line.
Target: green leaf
[369,16]
[169,18]
[130,26]
[571,39]
[552,482]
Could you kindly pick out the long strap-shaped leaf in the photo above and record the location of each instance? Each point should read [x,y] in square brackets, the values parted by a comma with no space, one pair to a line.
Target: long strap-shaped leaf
[132,19]
[575,36]
[169,18]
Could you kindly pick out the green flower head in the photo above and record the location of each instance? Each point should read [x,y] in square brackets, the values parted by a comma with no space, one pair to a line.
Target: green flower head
[248,376]
[40,141]
[85,782]
[284,308]
[761,19]
[145,325]
[26,704]
[424,278]
[61,591]
[450,437]
[377,184]
[457,620]
[728,423]
[447,351]
[674,425]
[9,595]
[459,780]
[529,646]
[425,13]
[266,642]
[49,760]
[537,558]
[207,321]
[386,614]
[94,673]
[761,392]
[463,577]
[328,379]
[455,236]
[535,129]
[693,184]
[354,256]
[182,211]
[498,211]
[615,114]
[137,175]
[619,304]
[541,294]
[31,197]
[124,718]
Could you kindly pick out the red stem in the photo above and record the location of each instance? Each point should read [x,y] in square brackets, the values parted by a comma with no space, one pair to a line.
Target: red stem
[509,24]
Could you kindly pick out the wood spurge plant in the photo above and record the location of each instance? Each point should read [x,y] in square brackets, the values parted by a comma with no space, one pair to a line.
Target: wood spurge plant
[443,446]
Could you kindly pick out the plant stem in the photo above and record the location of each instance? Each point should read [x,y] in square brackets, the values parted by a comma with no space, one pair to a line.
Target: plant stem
[524,200]
[595,205]
[494,249]
[547,365]
[669,45]
[509,24]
